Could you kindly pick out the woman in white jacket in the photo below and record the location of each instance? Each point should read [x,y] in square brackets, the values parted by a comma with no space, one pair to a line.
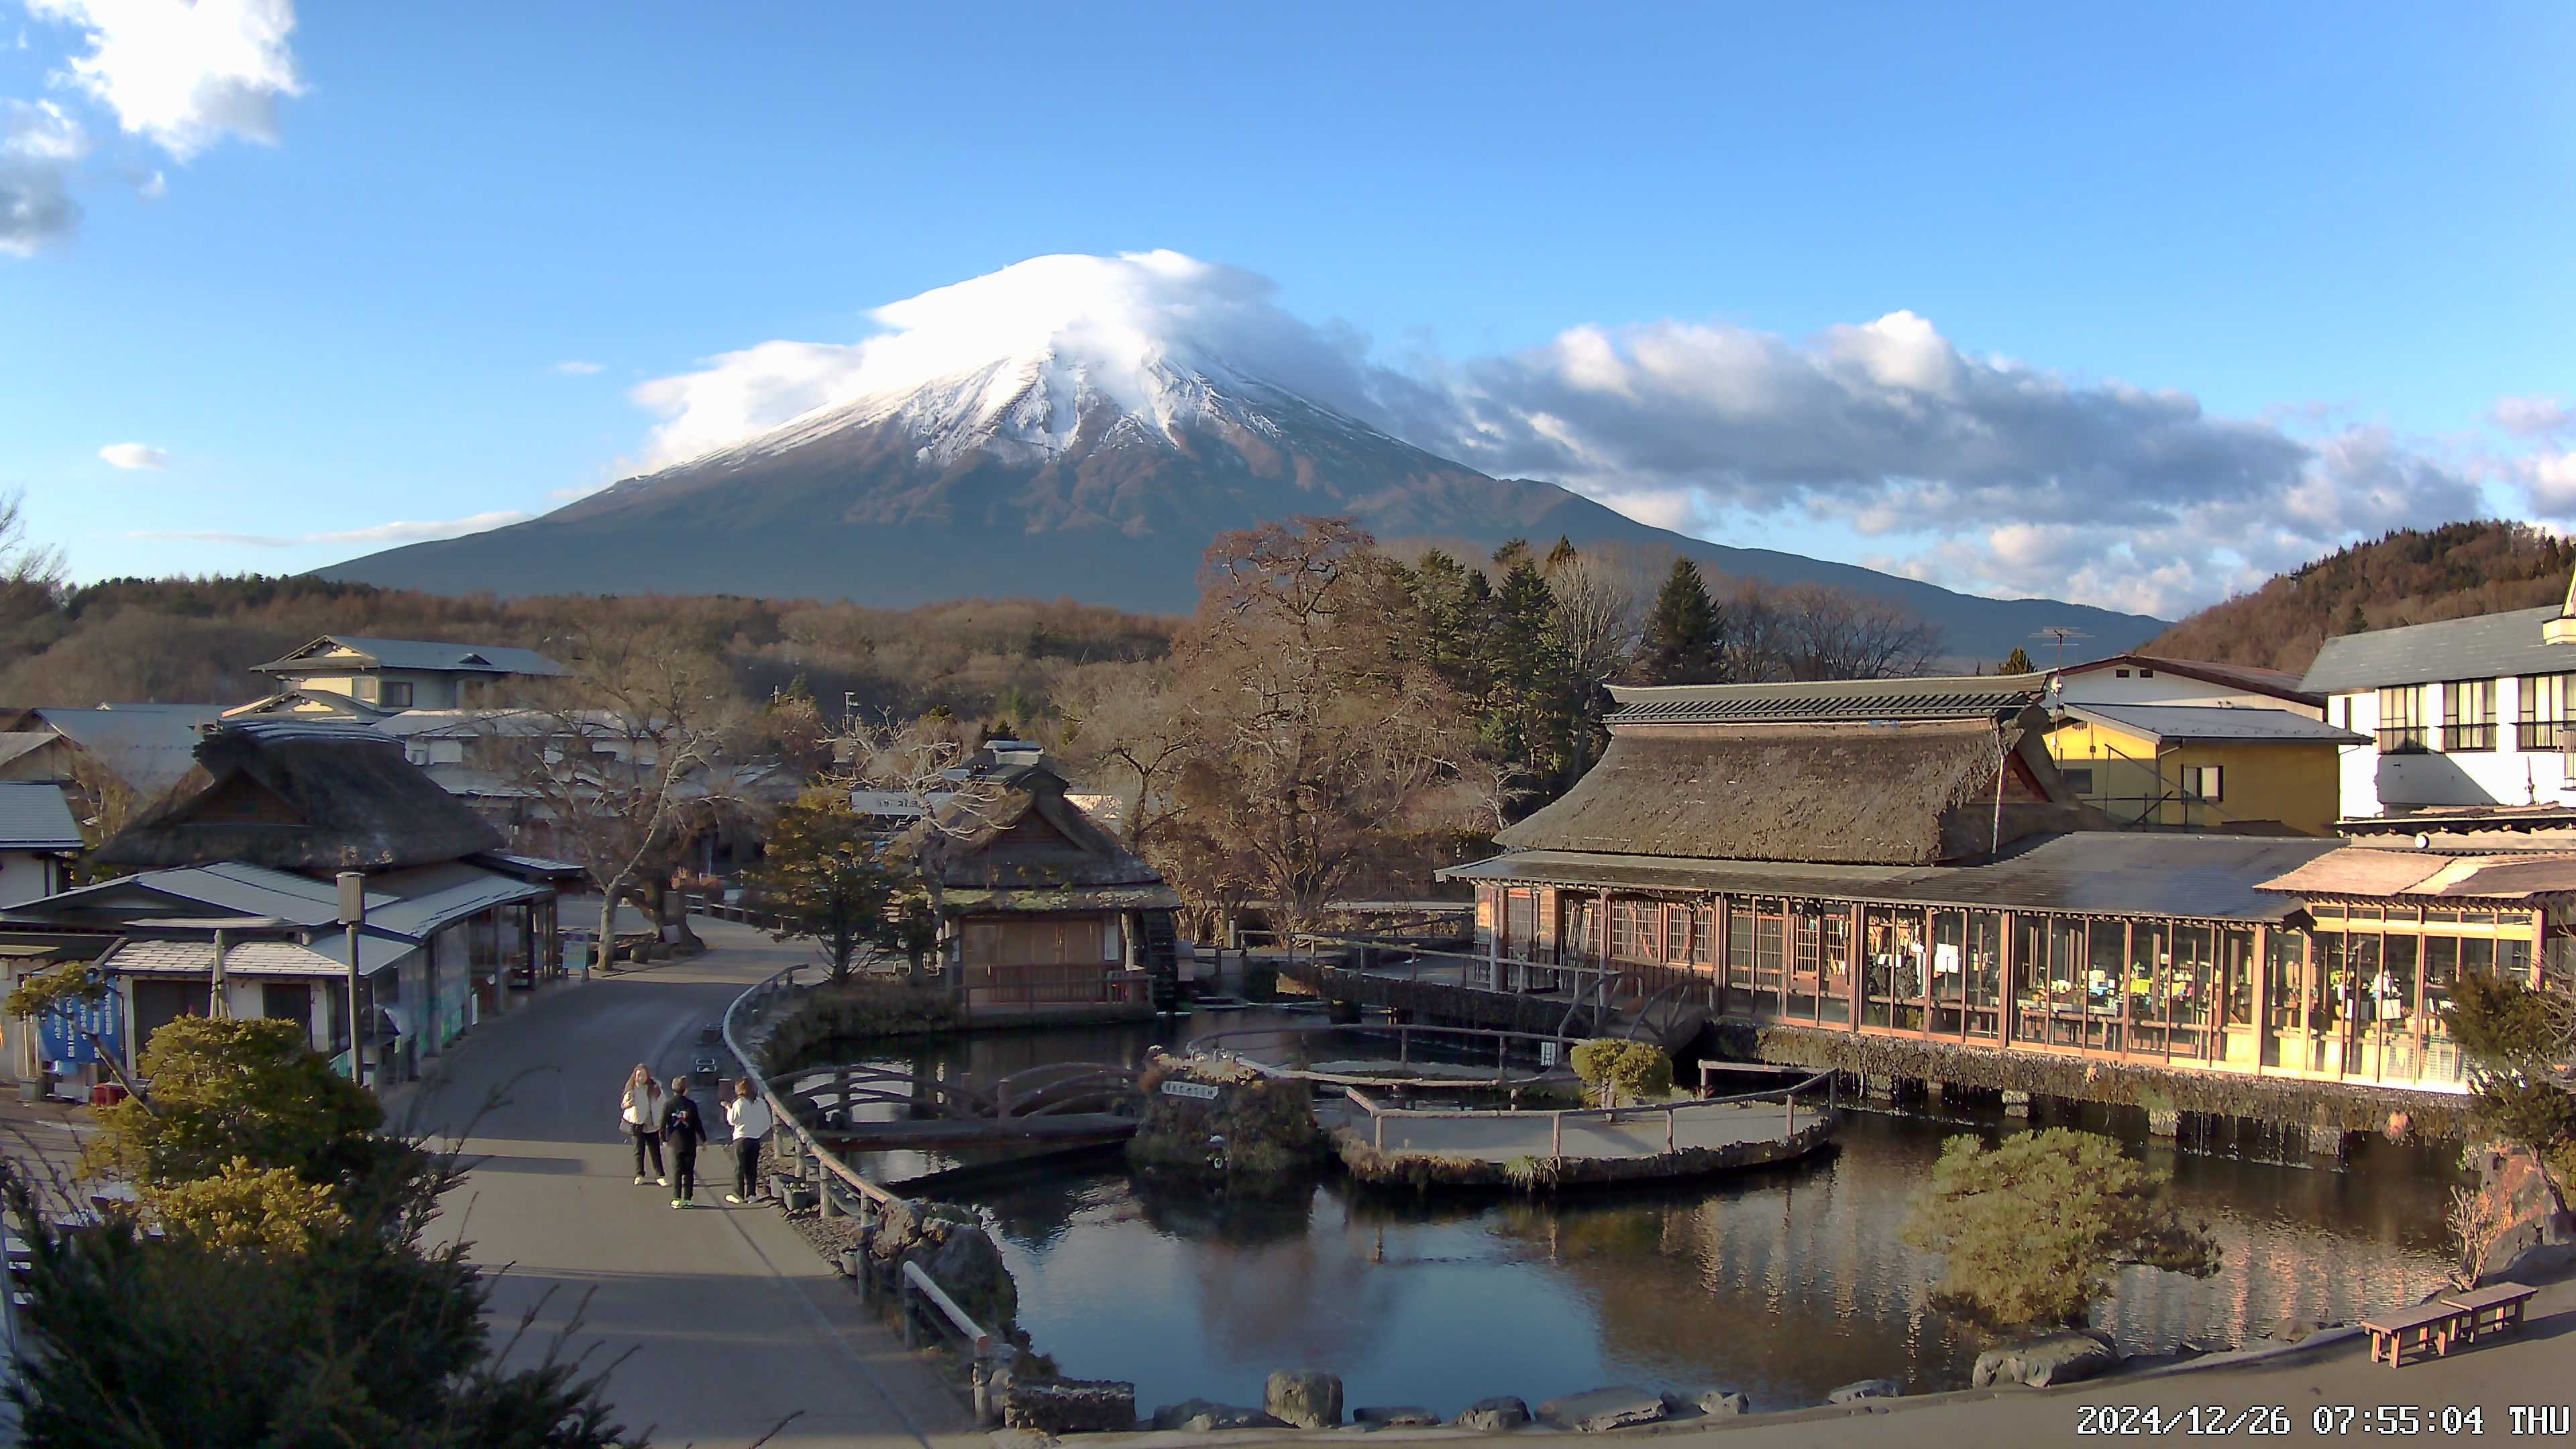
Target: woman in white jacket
[751,1120]
[639,1116]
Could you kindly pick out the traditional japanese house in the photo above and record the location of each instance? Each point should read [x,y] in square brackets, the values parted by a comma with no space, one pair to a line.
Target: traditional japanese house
[1902,863]
[232,906]
[1043,914]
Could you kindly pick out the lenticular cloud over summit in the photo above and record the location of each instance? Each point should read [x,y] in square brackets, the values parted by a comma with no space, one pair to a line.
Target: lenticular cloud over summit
[1885,431]
[1126,325]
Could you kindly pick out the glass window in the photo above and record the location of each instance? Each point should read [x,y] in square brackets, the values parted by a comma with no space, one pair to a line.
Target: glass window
[2080,779]
[2286,966]
[397,694]
[2401,719]
[1677,924]
[1704,936]
[2150,966]
[2468,715]
[2204,782]
[2236,964]
[2542,710]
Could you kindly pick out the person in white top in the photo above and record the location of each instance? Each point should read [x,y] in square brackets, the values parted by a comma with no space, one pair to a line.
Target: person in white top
[639,1116]
[751,1120]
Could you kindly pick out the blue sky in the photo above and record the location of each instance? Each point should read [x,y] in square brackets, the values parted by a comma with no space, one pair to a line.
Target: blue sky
[376,236]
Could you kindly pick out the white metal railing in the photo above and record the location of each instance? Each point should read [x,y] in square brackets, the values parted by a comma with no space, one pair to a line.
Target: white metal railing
[1556,1119]
[915,1288]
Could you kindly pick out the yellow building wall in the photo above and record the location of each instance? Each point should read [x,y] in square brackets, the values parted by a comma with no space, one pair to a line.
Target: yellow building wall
[2293,782]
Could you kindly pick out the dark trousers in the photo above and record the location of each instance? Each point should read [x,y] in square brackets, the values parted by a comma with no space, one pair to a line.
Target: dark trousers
[648,1142]
[684,1169]
[746,1168]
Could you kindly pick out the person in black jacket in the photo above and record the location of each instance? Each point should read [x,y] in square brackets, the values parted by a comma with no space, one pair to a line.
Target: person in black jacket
[683,1128]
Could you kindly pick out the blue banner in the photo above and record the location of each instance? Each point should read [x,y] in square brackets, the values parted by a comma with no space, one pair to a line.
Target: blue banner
[65,1033]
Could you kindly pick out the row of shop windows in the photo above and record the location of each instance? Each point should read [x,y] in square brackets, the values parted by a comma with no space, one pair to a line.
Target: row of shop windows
[1942,970]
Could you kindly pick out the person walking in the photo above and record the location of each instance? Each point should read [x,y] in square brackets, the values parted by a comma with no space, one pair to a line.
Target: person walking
[751,1119]
[639,1116]
[683,1127]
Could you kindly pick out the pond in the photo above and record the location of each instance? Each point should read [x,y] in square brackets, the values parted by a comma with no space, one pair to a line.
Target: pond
[1783,1283]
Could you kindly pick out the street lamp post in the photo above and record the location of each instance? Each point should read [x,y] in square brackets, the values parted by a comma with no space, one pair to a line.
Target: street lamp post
[353,914]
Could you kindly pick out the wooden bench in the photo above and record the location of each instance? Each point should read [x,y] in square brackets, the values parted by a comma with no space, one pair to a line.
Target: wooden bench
[2432,1326]
[2496,1308]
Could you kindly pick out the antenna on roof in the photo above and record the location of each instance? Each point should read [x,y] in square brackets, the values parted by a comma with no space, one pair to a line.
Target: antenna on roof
[2061,633]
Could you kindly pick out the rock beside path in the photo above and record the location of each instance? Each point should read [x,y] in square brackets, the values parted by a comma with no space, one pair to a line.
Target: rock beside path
[1304,1398]
[1070,1406]
[1494,1415]
[1723,1404]
[2058,1358]
[1853,1393]
[2538,1233]
[1604,1409]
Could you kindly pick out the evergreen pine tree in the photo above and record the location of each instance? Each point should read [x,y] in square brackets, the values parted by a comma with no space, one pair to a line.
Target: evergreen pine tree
[2354,623]
[1563,553]
[1680,631]
[2017,662]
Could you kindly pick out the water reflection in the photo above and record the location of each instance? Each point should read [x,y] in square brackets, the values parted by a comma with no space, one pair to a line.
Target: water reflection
[1783,1283]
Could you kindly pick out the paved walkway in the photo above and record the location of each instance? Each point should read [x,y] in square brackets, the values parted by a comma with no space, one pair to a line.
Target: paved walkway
[728,1321]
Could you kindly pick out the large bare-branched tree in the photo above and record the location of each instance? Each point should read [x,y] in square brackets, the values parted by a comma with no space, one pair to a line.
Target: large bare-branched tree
[1319,748]
[1830,633]
[627,757]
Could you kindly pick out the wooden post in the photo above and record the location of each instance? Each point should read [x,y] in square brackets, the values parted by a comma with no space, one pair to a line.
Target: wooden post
[1378,1120]
[1669,1114]
[1556,1134]
[1792,1099]
[1718,928]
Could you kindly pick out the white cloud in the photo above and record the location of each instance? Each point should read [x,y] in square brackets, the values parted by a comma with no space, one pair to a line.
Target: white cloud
[577,368]
[2531,417]
[1985,473]
[39,144]
[134,455]
[184,73]
[153,187]
[379,534]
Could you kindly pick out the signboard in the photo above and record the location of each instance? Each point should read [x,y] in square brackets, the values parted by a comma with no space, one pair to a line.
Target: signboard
[1547,1054]
[1203,1091]
[65,1033]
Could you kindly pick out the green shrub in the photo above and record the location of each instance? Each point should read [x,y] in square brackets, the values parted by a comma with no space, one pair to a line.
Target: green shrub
[1614,1069]
[2033,1228]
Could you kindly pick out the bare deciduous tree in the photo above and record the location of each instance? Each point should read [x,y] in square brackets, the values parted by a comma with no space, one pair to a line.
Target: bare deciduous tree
[1829,633]
[627,756]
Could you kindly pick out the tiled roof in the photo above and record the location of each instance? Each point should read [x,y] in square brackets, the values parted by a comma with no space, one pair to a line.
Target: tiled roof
[197,958]
[1833,700]
[426,654]
[2487,646]
[35,816]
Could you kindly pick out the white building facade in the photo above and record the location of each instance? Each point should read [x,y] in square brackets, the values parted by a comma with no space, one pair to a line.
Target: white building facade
[2465,714]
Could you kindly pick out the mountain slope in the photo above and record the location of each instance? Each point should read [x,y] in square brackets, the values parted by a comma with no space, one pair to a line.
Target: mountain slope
[2409,576]
[1059,474]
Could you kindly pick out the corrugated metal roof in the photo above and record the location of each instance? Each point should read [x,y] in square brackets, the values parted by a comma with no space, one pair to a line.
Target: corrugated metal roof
[1843,700]
[2213,722]
[148,746]
[2371,872]
[2488,646]
[433,896]
[14,743]
[427,654]
[2095,873]
[35,816]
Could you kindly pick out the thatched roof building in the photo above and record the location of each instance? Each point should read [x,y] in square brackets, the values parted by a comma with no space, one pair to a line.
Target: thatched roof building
[1011,841]
[1863,772]
[301,796]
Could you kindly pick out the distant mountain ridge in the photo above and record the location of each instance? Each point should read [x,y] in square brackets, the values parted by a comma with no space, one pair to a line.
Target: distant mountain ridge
[2407,576]
[1059,473]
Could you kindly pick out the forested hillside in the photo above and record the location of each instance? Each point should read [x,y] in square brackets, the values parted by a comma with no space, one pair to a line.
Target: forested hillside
[2411,576]
[193,640]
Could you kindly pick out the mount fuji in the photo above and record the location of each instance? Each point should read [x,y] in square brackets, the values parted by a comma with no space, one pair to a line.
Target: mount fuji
[1043,454]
